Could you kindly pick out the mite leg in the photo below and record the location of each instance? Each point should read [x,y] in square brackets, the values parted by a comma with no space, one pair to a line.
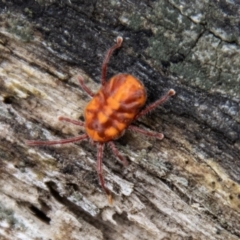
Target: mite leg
[160,136]
[107,57]
[84,87]
[99,170]
[122,159]
[75,122]
[149,108]
[61,141]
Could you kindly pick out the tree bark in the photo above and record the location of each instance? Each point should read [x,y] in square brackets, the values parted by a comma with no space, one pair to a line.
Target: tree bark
[183,187]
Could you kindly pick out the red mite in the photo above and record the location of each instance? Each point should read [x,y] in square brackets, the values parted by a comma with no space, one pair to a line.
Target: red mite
[110,112]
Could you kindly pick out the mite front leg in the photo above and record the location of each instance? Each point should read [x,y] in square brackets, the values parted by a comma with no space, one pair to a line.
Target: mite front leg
[84,87]
[75,122]
[107,57]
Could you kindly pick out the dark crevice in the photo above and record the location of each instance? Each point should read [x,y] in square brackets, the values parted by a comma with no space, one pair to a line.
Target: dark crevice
[39,214]
[106,228]
[8,99]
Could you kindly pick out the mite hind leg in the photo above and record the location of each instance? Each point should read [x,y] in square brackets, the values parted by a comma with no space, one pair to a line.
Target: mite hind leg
[115,151]
[100,147]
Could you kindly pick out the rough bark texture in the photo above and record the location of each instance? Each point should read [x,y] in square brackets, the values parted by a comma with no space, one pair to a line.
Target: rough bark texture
[183,187]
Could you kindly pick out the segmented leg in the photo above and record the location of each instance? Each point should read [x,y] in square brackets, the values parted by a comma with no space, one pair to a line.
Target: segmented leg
[75,122]
[149,108]
[61,141]
[160,136]
[107,57]
[100,147]
[84,87]
[122,159]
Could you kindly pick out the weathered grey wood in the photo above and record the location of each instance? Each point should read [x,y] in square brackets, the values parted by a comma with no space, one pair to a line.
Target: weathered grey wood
[183,187]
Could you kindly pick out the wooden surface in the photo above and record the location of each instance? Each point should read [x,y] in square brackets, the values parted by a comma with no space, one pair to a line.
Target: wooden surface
[183,187]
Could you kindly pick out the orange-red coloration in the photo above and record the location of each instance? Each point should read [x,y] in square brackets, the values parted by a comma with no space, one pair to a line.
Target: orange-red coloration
[110,113]
[114,107]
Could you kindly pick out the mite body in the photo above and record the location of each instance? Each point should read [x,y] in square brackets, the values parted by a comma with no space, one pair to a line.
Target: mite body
[110,113]
[114,107]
